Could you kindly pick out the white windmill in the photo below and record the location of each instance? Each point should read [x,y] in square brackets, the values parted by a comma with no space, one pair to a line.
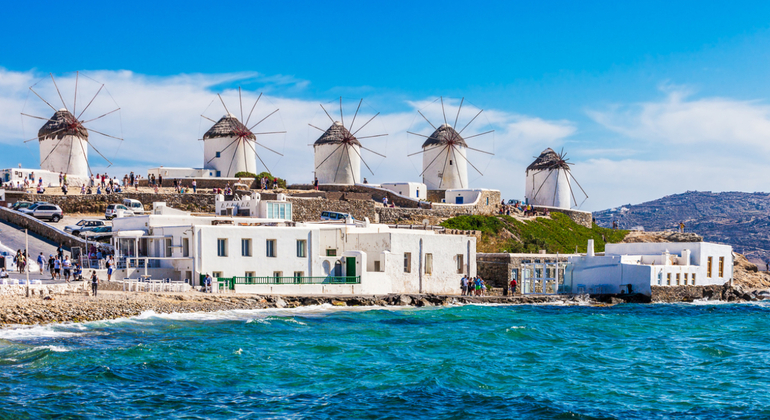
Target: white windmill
[230,146]
[337,153]
[445,153]
[548,181]
[64,138]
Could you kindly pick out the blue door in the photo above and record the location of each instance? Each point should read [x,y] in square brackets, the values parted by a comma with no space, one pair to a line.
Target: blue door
[458,200]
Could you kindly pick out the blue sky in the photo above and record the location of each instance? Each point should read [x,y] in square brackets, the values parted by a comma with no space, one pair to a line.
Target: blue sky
[648,98]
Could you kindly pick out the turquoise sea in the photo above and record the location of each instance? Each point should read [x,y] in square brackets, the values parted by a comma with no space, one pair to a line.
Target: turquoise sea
[623,362]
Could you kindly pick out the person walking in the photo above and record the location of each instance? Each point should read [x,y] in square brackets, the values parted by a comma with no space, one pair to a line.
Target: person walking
[195,186]
[514,283]
[50,265]
[41,262]
[94,282]
[66,268]
[57,269]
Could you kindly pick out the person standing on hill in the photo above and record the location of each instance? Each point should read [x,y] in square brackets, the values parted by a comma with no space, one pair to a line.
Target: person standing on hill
[315,183]
[681,227]
[194,186]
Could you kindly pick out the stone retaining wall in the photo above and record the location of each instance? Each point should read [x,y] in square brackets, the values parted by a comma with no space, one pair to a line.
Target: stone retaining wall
[98,203]
[583,218]
[42,289]
[41,228]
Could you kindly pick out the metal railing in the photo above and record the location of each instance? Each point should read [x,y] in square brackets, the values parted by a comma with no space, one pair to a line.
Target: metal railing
[232,281]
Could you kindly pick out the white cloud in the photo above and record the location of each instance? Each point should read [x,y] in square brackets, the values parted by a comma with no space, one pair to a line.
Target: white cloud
[679,120]
[160,122]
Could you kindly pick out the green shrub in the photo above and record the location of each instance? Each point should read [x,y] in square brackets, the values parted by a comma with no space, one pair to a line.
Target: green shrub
[555,234]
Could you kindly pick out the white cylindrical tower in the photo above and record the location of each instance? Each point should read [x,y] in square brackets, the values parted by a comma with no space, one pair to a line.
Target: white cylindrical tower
[444,161]
[337,156]
[548,182]
[229,148]
[64,147]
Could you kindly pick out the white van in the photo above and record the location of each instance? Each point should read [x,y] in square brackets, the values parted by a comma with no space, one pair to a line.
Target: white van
[134,205]
[333,215]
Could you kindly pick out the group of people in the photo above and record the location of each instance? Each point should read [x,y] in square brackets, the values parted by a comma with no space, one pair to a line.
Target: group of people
[473,286]
[265,181]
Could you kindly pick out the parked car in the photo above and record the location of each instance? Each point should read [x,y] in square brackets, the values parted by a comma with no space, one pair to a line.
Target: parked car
[98,231]
[112,211]
[134,205]
[85,225]
[20,205]
[48,211]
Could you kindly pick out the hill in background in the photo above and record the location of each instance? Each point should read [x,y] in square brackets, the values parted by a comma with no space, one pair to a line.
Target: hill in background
[734,218]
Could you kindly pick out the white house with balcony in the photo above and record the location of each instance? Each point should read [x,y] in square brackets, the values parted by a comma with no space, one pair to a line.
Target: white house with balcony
[273,255]
[635,267]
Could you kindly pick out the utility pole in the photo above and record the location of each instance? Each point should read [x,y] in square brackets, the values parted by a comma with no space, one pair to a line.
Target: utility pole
[26,250]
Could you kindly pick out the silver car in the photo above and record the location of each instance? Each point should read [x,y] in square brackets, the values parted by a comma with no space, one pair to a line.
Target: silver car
[112,211]
[85,225]
[48,211]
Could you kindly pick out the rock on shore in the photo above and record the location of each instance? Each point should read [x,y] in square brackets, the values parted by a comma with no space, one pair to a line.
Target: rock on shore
[111,304]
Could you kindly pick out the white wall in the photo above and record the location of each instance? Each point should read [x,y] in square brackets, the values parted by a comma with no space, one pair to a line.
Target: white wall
[468,196]
[50,179]
[239,153]
[343,167]
[170,173]
[70,157]
[407,189]
[607,271]
[548,188]
[449,170]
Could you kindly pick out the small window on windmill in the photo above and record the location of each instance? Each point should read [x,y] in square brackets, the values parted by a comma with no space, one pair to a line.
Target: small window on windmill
[450,162]
[219,154]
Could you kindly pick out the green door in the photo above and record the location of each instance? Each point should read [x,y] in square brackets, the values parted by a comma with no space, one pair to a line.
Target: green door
[350,268]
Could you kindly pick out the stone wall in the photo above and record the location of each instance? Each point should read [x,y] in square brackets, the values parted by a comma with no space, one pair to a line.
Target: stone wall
[98,203]
[43,289]
[496,268]
[583,218]
[24,221]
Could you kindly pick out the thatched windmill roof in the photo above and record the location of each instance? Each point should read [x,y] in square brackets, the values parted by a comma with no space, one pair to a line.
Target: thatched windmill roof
[337,134]
[444,135]
[229,126]
[548,160]
[62,119]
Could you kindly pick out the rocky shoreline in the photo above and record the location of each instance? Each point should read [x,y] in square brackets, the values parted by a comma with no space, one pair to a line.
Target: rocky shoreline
[74,305]
[78,307]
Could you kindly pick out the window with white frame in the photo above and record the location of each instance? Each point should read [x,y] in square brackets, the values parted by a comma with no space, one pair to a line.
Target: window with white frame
[428,263]
[221,247]
[185,247]
[169,248]
[407,262]
[270,248]
[301,248]
[279,211]
[245,247]
[460,265]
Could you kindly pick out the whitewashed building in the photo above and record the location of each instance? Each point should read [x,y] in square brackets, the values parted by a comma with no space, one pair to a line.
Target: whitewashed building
[635,267]
[337,155]
[277,256]
[548,182]
[416,190]
[64,147]
[252,205]
[228,148]
[444,160]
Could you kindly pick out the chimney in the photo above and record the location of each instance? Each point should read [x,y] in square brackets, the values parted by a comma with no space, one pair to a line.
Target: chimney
[590,248]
